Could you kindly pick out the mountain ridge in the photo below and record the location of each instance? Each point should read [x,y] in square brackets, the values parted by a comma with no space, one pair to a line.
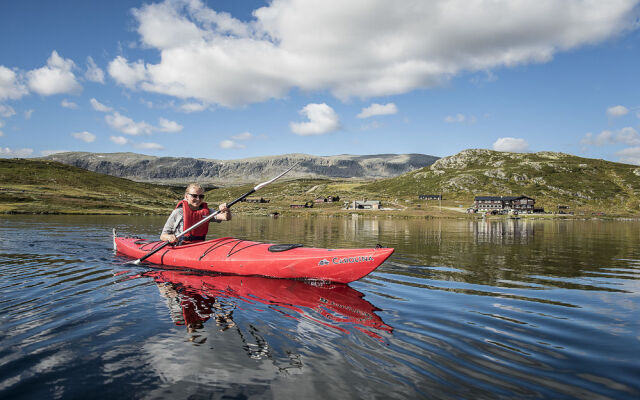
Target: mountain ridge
[181,170]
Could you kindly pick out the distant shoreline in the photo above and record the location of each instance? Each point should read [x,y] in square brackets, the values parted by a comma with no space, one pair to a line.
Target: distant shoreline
[395,214]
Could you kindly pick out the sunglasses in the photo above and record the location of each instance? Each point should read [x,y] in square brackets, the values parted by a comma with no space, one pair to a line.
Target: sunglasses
[196,196]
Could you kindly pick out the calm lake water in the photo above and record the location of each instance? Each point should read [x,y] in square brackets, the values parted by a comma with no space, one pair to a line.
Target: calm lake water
[462,309]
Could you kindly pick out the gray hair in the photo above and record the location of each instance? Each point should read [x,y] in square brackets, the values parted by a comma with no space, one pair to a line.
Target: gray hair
[195,186]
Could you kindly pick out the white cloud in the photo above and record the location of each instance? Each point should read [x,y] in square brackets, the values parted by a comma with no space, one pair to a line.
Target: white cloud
[68,104]
[147,103]
[243,136]
[460,118]
[362,49]
[322,119]
[161,26]
[127,74]
[45,153]
[192,107]
[28,113]
[233,142]
[630,155]
[169,126]
[149,146]
[628,136]
[7,152]
[10,87]
[94,73]
[121,140]
[55,78]
[617,111]
[371,126]
[601,139]
[7,111]
[84,136]
[455,118]
[230,144]
[378,109]
[510,144]
[1,125]
[126,125]
[99,106]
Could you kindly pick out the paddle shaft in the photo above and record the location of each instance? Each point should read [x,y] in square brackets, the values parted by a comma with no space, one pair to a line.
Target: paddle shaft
[206,219]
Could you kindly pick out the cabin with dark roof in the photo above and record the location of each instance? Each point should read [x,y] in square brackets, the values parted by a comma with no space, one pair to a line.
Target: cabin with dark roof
[253,200]
[329,199]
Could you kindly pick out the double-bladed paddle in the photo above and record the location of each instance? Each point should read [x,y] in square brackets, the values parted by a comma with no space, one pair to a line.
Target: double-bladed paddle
[256,188]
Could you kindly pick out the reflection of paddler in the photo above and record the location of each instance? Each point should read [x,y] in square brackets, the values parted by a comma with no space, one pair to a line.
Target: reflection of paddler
[192,309]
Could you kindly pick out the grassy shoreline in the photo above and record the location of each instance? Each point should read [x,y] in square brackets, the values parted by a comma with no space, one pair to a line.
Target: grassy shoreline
[310,213]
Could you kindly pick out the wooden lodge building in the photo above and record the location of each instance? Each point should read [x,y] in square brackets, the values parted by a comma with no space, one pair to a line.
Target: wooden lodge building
[521,204]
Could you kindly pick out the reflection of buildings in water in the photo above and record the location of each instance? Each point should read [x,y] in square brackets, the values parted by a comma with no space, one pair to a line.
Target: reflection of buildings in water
[357,226]
[502,231]
[361,227]
[394,232]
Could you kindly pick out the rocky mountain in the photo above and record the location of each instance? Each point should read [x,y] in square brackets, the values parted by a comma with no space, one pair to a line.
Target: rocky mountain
[551,178]
[180,170]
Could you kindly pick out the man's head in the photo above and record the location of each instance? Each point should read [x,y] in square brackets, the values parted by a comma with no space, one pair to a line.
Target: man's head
[194,195]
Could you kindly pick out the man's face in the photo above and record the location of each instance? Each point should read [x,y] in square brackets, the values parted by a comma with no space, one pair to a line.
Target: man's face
[194,198]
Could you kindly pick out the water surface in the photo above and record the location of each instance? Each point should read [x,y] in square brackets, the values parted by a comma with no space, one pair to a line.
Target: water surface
[462,309]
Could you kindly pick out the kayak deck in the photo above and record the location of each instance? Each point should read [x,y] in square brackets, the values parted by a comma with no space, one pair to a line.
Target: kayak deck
[230,255]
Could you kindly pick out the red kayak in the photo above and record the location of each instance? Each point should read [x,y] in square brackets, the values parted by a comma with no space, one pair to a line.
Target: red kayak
[241,257]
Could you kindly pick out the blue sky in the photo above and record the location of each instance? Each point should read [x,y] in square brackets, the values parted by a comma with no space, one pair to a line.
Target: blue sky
[235,79]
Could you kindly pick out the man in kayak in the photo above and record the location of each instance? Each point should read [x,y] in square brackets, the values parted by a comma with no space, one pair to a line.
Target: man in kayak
[189,212]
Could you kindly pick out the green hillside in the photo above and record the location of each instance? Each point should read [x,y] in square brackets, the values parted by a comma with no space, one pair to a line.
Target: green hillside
[586,186]
[32,186]
[551,178]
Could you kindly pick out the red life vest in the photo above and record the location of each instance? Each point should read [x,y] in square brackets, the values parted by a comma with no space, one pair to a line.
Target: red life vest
[191,218]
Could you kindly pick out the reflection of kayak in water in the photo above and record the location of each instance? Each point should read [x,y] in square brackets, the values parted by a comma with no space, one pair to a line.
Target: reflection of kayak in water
[241,257]
[338,304]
